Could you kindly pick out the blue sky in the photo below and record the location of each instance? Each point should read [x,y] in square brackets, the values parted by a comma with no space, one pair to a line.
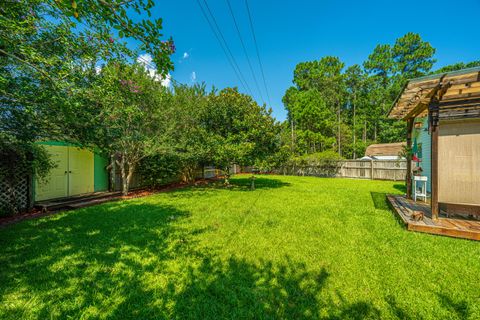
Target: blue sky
[289,32]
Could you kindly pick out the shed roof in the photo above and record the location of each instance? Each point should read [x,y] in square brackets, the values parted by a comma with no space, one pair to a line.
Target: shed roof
[455,88]
[385,149]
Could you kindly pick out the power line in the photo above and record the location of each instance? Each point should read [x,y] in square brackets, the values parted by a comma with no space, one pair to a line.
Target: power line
[244,49]
[223,43]
[258,53]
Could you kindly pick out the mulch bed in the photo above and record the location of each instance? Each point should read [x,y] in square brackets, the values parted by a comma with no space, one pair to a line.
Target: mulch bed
[36,213]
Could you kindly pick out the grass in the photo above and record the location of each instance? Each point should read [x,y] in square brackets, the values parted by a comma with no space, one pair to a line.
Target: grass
[296,247]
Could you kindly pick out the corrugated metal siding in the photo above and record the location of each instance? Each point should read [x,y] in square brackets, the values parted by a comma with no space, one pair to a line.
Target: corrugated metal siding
[423,137]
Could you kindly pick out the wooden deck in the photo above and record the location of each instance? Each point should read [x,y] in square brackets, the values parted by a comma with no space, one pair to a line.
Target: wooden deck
[458,228]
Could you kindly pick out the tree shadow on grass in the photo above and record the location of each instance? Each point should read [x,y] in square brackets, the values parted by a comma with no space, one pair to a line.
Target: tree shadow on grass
[400,187]
[237,289]
[397,310]
[237,183]
[89,262]
[379,200]
[459,308]
[132,260]
[244,183]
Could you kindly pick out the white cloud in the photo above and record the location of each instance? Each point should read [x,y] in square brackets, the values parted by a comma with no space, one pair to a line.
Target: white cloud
[193,76]
[186,55]
[146,61]
[167,81]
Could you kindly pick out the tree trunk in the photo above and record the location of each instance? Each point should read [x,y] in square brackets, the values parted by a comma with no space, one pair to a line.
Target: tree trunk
[123,171]
[354,135]
[339,132]
[365,131]
[112,172]
[131,169]
[127,174]
[293,139]
[227,176]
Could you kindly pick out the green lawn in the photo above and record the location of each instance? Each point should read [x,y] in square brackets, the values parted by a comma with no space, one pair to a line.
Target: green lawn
[296,247]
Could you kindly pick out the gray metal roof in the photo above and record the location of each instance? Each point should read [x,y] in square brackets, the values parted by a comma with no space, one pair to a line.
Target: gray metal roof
[451,73]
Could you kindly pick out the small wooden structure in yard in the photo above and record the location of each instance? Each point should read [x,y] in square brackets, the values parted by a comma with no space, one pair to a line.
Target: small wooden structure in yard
[448,105]
[385,151]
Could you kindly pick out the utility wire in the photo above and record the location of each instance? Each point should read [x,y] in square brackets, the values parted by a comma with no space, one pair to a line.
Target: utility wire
[223,43]
[258,53]
[244,49]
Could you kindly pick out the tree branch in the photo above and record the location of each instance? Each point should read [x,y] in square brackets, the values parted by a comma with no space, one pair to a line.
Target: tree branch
[28,64]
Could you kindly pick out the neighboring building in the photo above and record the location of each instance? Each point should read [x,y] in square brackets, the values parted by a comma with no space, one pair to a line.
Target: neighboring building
[78,171]
[443,116]
[385,151]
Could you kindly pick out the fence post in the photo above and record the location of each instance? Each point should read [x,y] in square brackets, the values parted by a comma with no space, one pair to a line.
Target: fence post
[371,169]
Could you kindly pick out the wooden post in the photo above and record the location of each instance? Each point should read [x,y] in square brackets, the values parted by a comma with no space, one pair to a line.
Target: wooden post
[433,113]
[408,178]
[371,169]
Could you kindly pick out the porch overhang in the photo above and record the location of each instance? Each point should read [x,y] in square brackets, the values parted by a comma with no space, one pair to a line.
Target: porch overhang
[456,94]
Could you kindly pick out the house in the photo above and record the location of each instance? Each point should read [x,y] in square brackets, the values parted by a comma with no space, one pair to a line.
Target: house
[385,151]
[78,171]
[442,112]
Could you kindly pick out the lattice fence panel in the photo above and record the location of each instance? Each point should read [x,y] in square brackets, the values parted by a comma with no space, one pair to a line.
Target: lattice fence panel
[15,198]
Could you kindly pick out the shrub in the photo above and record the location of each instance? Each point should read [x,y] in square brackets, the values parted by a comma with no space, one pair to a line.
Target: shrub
[323,164]
[160,169]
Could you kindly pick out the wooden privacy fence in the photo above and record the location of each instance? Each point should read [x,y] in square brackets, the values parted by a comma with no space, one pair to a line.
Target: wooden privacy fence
[370,169]
[373,169]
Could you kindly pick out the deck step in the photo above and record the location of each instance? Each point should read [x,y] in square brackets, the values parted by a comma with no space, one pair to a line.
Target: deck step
[76,202]
[452,227]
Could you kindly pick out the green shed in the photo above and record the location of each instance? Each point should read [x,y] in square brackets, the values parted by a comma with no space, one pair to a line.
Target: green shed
[78,171]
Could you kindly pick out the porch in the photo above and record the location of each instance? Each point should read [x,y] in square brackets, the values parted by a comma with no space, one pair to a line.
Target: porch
[444,225]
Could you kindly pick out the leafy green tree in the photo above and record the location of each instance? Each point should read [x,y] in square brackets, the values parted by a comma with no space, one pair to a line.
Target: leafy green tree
[242,131]
[191,141]
[380,62]
[457,66]
[359,98]
[131,116]
[319,86]
[50,52]
[412,56]
[355,84]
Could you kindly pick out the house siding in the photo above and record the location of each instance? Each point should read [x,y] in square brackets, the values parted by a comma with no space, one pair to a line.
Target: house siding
[423,137]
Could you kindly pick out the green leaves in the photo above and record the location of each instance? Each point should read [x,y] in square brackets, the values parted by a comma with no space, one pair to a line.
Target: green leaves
[331,108]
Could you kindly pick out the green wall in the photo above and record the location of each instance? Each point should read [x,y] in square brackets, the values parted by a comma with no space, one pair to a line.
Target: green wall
[423,138]
[100,173]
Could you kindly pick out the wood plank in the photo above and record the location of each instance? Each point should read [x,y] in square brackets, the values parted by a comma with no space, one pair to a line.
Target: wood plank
[456,228]
[445,232]
[434,168]
[465,85]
